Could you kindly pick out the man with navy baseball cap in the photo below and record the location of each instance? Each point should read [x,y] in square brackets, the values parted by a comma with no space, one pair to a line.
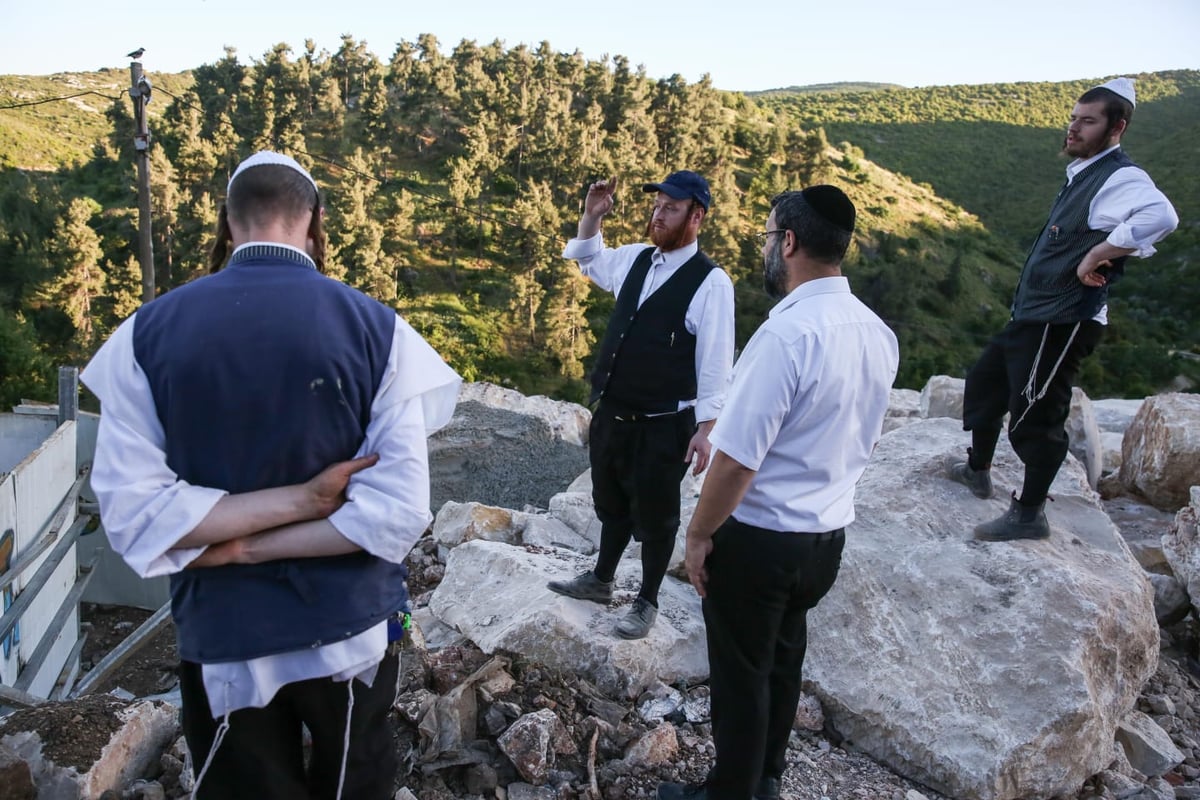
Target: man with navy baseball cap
[658,382]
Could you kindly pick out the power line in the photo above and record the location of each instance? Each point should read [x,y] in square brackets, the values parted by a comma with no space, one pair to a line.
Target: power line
[45,100]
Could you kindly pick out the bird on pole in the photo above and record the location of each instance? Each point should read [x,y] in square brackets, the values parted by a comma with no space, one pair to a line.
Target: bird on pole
[136,53]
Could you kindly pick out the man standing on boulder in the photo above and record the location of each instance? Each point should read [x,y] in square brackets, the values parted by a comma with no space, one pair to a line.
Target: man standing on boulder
[659,378]
[1107,210]
[804,412]
[263,442]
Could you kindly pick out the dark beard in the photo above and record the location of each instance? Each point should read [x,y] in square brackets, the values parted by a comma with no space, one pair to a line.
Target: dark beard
[775,272]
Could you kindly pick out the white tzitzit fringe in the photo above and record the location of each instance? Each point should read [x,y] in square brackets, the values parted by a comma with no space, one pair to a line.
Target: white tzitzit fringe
[346,740]
[1030,392]
[222,729]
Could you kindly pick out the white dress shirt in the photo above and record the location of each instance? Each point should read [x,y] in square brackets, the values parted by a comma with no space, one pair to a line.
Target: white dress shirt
[146,509]
[806,407]
[709,316]
[1130,207]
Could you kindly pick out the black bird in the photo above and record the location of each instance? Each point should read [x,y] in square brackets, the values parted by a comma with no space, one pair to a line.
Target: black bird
[136,53]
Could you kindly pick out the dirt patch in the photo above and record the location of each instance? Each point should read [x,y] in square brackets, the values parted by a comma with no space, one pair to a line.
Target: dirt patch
[72,734]
[152,669]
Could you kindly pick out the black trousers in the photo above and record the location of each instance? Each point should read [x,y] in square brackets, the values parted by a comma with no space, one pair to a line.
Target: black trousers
[995,386]
[637,464]
[261,756]
[761,584]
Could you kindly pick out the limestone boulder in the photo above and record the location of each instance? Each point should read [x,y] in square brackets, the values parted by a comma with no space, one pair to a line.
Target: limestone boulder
[1160,456]
[1181,546]
[942,396]
[988,671]
[1113,415]
[504,449]
[495,594]
[1083,432]
[904,406]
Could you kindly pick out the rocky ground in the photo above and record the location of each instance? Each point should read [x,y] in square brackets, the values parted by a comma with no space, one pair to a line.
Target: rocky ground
[820,765]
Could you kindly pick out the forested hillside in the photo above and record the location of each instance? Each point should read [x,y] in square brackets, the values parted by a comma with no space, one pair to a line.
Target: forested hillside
[452,181]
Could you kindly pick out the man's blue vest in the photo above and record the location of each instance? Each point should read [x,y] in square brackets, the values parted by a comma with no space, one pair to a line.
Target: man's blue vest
[263,375]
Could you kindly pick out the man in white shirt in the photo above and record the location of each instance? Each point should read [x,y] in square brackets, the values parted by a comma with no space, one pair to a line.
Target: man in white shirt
[1108,210]
[263,441]
[803,414]
[659,381]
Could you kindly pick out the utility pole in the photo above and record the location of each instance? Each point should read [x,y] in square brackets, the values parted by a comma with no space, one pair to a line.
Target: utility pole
[139,90]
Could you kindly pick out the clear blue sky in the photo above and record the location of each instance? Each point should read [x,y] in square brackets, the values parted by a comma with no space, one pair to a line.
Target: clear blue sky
[743,46]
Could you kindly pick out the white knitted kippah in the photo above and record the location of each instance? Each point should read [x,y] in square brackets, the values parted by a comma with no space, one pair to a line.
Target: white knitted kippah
[268,157]
[1123,87]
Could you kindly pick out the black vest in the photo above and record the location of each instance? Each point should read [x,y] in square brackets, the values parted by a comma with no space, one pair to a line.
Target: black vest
[647,361]
[263,375]
[1049,289]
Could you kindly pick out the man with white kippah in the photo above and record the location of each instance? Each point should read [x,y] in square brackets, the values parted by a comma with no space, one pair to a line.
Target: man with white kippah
[1107,210]
[263,441]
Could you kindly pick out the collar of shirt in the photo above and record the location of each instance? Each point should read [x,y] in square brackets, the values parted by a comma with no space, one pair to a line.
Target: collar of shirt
[1079,165]
[837,284]
[663,265]
[277,249]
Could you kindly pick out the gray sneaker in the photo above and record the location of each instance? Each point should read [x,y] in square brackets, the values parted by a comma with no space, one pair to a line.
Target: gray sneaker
[636,624]
[585,586]
[978,481]
[1019,522]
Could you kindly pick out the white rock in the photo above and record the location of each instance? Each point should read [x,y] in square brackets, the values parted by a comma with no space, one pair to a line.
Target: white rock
[1148,747]
[1084,436]
[496,595]
[1114,415]
[985,670]
[1160,457]
[942,397]
[1181,546]
[904,406]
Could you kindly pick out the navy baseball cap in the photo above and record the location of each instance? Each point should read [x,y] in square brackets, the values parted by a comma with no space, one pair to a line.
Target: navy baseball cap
[683,185]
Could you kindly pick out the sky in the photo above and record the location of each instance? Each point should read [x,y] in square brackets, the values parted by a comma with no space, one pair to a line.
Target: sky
[763,45]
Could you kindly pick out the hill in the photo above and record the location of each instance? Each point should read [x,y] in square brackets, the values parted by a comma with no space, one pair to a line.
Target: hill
[452,181]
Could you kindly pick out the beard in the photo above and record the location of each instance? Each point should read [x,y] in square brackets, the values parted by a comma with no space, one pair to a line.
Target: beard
[667,238]
[775,271]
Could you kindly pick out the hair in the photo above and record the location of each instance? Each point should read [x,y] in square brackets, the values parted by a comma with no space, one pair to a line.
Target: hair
[819,238]
[265,193]
[1116,108]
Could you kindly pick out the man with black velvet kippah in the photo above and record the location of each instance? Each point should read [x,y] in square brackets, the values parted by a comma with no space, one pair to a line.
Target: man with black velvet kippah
[658,382]
[804,411]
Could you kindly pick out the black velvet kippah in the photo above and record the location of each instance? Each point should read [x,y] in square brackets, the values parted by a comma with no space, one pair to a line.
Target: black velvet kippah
[832,204]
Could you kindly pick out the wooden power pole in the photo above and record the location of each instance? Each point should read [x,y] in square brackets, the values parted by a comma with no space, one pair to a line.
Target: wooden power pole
[139,90]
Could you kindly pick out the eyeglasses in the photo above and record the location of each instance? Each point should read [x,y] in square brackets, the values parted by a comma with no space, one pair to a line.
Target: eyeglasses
[761,236]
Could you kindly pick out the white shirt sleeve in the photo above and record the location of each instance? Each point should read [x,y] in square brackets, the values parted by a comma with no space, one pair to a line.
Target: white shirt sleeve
[710,319]
[1133,210]
[763,389]
[606,267]
[145,508]
[387,506]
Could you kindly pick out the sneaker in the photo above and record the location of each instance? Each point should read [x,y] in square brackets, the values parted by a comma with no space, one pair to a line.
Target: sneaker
[636,624]
[1019,522]
[585,586]
[681,791]
[978,481]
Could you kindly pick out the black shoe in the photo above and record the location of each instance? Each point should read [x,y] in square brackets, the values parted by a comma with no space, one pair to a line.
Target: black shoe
[767,789]
[585,586]
[1019,522]
[979,481]
[682,791]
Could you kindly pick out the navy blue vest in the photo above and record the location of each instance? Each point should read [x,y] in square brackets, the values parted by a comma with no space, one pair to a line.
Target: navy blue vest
[647,360]
[263,374]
